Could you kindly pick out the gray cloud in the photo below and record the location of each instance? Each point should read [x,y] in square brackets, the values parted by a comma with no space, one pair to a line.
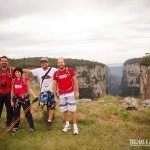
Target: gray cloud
[15,8]
[54,28]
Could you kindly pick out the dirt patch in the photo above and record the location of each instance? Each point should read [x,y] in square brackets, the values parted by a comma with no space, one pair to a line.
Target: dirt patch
[80,115]
[116,118]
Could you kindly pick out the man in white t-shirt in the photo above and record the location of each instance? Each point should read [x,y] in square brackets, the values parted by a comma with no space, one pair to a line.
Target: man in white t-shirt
[46,85]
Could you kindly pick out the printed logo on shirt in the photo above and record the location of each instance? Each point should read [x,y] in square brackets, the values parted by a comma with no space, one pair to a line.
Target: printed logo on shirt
[46,81]
[18,86]
[63,76]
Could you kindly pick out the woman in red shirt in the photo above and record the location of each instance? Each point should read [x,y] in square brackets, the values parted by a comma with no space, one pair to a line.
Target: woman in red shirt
[20,97]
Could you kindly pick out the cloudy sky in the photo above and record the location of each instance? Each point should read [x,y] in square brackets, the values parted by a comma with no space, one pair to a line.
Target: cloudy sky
[108,31]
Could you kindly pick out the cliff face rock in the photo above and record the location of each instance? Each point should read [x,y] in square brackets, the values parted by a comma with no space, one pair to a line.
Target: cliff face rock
[136,78]
[145,82]
[131,80]
[114,80]
[92,81]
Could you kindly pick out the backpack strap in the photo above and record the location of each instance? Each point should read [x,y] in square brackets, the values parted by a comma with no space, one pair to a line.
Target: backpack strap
[25,95]
[8,72]
[24,80]
[0,71]
[57,75]
[45,76]
[68,74]
[13,81]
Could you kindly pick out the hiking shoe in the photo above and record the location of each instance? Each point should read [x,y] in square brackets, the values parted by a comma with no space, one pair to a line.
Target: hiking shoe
[75,130]
[66,128]
[31,130]
[14,130]
[49,124]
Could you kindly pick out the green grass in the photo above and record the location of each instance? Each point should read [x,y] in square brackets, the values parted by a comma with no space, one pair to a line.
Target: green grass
[103,124]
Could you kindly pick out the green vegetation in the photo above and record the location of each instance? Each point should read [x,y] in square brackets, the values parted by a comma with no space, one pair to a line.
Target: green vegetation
[145,61]
[103,124]
[34,62]
[132,61]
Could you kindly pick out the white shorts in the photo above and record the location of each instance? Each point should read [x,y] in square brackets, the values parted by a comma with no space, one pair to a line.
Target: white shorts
[67,102]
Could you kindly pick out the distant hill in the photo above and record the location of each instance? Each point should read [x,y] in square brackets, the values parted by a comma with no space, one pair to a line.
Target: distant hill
[116,71]
[115,65]
[132,61]
[34,62]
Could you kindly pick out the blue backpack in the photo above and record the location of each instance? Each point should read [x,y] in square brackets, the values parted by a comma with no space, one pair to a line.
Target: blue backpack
[44,96]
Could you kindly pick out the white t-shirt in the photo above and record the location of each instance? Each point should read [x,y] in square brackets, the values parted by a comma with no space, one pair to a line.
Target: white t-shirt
[47,84]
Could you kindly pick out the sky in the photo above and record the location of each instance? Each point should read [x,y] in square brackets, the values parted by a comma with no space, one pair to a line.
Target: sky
[107,31]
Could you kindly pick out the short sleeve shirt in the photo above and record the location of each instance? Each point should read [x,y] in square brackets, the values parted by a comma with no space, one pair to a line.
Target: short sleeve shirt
[7,79]
[47,84]
[20,85]
[65,83]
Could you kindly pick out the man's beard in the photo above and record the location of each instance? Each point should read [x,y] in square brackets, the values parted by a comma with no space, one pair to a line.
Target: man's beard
[45,67]
[61,67]
[4,66]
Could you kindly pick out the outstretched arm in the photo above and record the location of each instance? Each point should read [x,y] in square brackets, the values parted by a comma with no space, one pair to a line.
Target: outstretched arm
[27,71]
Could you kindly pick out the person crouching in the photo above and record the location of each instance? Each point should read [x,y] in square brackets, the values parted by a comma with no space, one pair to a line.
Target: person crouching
[20,97]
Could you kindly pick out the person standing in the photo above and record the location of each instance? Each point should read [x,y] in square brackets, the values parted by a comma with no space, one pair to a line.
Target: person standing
[65,81]
[45,76]
[20,97]
[6,76]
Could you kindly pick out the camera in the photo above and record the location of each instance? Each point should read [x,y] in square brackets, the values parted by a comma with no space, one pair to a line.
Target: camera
[3,84]
[16,100]
[15,97]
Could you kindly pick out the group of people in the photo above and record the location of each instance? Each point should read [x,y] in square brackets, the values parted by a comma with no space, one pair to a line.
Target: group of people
[57,85]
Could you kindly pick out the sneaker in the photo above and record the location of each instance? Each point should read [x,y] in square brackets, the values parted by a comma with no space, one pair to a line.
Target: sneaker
[49,124]
[31,130]
[14,130]
[75,130]
[66,128]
